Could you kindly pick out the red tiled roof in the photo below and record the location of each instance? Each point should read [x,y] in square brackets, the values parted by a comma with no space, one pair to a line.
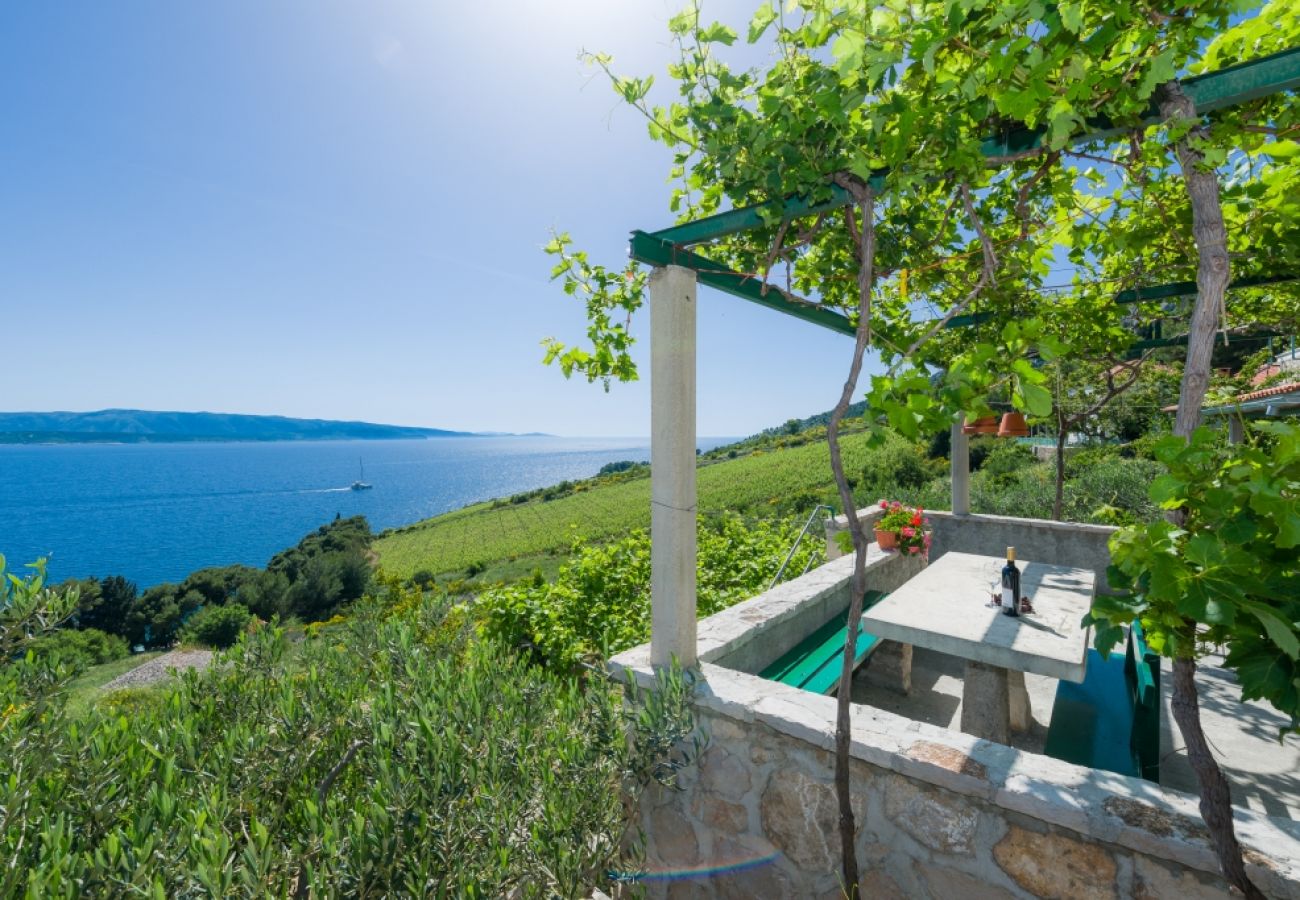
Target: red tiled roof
[1253,395]
[1265,373]
[1268,392]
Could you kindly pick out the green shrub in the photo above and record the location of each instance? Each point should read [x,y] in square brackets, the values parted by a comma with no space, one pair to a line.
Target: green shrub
[897,463]
[1006,459]
[1144,447]
[395,756]
[1028,493]
[1114,491]
[80,648]
[599,603]
[216,626]
[132,701]
[980,448]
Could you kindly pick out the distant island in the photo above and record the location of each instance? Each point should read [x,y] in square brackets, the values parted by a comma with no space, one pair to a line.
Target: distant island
[138,426]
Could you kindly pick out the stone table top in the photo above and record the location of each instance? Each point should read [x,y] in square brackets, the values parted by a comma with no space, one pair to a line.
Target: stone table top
[945,608]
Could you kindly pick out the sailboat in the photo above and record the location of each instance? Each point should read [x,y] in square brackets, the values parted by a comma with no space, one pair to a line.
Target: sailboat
[360,483]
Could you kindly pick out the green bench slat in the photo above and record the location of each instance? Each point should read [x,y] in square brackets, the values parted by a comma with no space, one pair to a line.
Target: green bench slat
[827,678]
[786,669]
[1146,718]
[1148,686]
[1093,721]
[814,663]
[1112,720]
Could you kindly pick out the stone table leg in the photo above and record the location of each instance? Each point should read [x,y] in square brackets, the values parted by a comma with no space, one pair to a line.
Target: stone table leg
[1018,700]
[985,702]
[890,667]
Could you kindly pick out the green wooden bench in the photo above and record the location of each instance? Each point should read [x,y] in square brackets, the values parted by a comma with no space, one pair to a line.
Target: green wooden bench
[1112,720]
[814,665]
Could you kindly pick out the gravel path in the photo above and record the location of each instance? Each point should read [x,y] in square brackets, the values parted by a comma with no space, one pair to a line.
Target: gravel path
[161,667]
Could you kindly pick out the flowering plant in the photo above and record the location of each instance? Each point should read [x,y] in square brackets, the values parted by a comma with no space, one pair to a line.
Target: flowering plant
[908,525]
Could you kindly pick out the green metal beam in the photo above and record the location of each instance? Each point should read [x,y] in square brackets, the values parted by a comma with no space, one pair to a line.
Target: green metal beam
[968,319]
[654,251]
[749,217]
[1224,88]
[1138,346]
[1188,288]
[1212,91]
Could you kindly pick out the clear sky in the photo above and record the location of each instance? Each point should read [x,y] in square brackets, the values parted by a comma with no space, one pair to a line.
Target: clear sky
[336,210]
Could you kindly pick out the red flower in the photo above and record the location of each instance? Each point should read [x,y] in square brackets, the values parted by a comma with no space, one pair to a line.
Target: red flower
[916,519]
[884,504]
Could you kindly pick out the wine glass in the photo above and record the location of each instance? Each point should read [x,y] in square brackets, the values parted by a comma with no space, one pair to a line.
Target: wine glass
[994,578]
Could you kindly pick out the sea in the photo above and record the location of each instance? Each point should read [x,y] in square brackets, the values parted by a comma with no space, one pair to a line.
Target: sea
[156,512]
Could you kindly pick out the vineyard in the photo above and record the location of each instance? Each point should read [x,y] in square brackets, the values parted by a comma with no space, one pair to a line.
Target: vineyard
[762,484]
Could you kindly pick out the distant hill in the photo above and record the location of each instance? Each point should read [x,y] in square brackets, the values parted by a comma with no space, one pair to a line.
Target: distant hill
[144,426]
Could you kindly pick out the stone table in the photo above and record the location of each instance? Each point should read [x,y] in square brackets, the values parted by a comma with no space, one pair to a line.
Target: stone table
[945,608]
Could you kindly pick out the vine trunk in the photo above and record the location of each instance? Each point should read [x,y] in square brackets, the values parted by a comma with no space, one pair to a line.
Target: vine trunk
[858,586]
[1212,274]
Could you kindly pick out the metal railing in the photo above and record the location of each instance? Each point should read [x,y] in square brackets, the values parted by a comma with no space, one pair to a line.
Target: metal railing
[828,516]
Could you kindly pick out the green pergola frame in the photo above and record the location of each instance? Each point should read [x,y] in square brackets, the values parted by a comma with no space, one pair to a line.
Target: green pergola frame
[1212,91]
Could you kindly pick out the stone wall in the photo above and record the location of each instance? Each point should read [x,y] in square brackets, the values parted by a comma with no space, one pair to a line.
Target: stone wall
[936,817]
[1041,540]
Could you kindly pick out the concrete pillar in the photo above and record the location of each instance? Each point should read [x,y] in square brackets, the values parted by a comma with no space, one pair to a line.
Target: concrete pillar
[960,455]
[1236,430]
[672,466]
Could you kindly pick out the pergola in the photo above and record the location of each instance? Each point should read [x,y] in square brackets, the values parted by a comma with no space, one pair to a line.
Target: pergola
[678,270]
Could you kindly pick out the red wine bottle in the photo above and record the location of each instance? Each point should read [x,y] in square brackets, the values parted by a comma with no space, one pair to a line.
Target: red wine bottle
[1010,585]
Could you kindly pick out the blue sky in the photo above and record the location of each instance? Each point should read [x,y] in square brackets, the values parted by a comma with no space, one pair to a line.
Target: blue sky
[336,210]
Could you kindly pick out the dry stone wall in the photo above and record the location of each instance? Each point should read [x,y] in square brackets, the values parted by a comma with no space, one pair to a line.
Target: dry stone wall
[757,818]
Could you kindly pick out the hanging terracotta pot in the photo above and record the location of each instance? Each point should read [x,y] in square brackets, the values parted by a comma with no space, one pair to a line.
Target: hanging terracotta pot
[1013,425]
[986,425]
[888,540]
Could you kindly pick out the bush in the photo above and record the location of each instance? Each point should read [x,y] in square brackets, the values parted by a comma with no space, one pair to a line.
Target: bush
[1081,459]
[216,626]
[132,701]
[1113,492]
[1028,493]
[896,464]
[80,648]
[397,757]
[599,603]
[980,448]
[614,468]
[1006,459]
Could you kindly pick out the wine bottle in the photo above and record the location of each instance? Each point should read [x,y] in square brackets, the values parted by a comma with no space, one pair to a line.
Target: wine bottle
[1010,585]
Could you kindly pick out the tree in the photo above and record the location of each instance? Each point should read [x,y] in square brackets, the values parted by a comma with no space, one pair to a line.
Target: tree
[914,159]
[158,614]
[216,626]
[106,605]
[1072,408]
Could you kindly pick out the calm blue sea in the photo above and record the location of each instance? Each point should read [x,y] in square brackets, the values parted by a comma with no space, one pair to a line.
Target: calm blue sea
[156,512]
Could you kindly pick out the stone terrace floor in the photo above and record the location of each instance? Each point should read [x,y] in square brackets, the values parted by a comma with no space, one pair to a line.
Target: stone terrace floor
[1264,773]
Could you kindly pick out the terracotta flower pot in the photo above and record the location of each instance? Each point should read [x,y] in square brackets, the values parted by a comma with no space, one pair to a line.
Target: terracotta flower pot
[1013,425]
[986,425]
[888,540]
